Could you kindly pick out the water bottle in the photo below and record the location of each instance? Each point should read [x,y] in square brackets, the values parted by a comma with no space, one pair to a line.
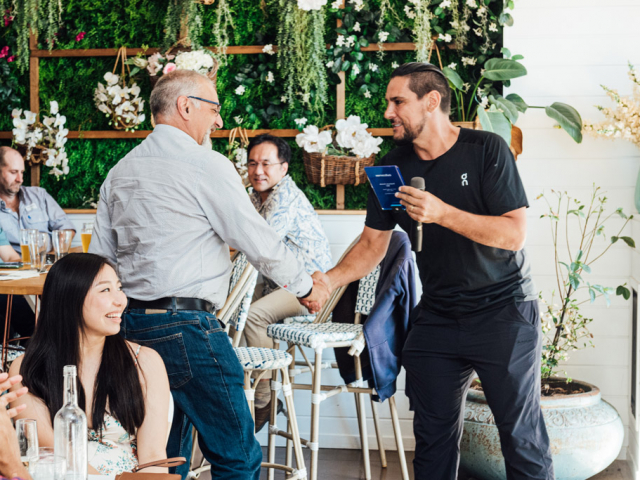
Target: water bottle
[70,430]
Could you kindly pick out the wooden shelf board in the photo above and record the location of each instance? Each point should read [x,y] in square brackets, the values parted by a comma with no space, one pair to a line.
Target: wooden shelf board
[113,134]
[234,50]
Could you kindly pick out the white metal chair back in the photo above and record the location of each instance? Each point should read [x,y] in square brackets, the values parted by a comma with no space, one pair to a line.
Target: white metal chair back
[367,292]
[241,286]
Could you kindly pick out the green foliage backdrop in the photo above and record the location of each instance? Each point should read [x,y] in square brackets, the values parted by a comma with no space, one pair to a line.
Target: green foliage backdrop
[134,23]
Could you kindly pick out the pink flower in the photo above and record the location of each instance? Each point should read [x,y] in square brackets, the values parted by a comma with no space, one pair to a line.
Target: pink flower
[11,58]
[4,52]
[8,19]
[169,67]
[80,36]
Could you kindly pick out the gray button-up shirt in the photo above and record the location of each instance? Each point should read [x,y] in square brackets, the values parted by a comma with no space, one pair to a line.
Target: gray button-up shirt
[37,210]
[166,214]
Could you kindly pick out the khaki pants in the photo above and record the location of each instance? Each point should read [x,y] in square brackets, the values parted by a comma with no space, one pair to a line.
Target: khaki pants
[267,310]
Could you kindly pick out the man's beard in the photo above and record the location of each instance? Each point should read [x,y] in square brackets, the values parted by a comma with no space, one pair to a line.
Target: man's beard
[206,141]
[409,135]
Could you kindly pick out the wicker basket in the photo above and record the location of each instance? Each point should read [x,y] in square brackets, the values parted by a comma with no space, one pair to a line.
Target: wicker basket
[326,170]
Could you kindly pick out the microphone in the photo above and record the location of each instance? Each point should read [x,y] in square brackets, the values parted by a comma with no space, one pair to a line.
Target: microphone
[416,231]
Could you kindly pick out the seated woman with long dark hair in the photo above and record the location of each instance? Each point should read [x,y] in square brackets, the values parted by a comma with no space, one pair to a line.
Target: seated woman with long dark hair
[123,387]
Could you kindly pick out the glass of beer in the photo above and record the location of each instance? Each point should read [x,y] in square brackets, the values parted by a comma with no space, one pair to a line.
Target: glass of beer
[87,231]
[24,244]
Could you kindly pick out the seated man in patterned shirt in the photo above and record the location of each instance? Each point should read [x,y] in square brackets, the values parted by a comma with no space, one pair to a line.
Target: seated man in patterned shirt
[283,205]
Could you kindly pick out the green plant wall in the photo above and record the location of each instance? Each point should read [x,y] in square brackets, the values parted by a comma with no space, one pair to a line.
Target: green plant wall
[134,23]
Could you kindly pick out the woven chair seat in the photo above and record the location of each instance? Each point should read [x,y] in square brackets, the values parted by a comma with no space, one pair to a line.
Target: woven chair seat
[252,358]
[314,335]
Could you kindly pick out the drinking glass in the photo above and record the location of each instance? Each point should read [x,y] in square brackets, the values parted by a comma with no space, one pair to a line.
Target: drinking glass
[87,231]
[47,466]
[61,242]
[39,245]
[27,432]
[24,244]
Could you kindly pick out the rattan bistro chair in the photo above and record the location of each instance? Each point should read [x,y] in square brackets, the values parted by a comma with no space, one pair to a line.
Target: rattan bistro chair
[234,314]
[320,334]
[241,286]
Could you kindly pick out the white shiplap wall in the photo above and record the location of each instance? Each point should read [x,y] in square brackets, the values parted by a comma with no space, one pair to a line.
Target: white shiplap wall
[570,48]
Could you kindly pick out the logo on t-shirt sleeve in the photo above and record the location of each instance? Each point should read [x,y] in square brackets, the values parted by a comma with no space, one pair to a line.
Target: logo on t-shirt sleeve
[464,180]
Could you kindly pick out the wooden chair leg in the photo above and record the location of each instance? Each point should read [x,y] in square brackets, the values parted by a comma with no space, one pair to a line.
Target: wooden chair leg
[315,414]
[293,423]
[362,423]
[376,424]
[398,434]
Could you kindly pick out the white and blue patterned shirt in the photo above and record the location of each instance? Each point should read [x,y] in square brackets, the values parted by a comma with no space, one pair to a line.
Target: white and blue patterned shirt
[290,214]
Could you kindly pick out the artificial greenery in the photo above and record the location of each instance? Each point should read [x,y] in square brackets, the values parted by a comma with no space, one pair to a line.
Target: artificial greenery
[44,16]
[302,55]
[183,23]
[289,89]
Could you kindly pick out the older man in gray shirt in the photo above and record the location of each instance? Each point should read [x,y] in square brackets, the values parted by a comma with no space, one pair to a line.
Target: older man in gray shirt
[168,212]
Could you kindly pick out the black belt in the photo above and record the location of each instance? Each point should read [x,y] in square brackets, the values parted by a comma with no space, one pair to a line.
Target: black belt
[167,303]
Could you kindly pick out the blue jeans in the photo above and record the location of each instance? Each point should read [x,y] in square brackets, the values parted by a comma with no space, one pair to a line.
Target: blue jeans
[206,381]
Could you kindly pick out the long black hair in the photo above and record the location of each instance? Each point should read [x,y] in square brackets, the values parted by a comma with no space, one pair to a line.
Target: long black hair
[56,343]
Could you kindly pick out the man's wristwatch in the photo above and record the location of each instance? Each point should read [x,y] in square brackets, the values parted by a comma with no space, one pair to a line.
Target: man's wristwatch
[307,294]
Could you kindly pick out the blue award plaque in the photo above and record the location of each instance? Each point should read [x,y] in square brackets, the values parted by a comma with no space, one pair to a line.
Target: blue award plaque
[386,182]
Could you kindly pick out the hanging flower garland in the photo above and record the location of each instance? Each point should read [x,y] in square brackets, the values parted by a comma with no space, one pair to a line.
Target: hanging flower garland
[120,100]
[42,142]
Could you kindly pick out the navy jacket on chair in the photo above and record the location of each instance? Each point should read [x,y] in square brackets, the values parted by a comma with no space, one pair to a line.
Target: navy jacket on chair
[387,326]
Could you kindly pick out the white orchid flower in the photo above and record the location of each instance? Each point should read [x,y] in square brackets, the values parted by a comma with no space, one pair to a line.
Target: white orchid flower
[19,136]
[104,109]
[60,120]
[53,107]
[111,78]
[312,140]
[48,122]
[30,117]
[16,112]
[20,123]
[135,90]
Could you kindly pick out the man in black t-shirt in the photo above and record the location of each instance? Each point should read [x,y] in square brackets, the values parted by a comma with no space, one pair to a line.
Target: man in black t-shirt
[478,309]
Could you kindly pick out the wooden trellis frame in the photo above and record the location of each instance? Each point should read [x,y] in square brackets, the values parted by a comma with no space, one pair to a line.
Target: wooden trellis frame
[36,54]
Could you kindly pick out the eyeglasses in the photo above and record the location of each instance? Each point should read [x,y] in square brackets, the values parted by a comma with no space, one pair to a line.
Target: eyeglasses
[208,101]
[254,165]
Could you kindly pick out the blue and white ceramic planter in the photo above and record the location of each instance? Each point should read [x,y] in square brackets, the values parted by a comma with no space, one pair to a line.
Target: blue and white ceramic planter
[586,435]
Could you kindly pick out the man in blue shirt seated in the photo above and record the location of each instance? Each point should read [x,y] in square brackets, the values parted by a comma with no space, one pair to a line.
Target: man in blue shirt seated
[7,253]
[283,205]
[23,207]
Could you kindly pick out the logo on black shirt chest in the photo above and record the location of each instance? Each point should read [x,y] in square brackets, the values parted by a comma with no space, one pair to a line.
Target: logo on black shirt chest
[464,180]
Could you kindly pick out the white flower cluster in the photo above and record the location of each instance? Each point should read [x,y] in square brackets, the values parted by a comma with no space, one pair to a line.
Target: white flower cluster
[197,60]
[268,49]
[468,61]
[122,104]
[308,5]
[313,140]
[357,4]
[200,61]
[445,36]
[51,135]
[351,135]
[623,121]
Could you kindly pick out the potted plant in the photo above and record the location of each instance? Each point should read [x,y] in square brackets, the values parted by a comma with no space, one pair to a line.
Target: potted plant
[501,112]
[586,432]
